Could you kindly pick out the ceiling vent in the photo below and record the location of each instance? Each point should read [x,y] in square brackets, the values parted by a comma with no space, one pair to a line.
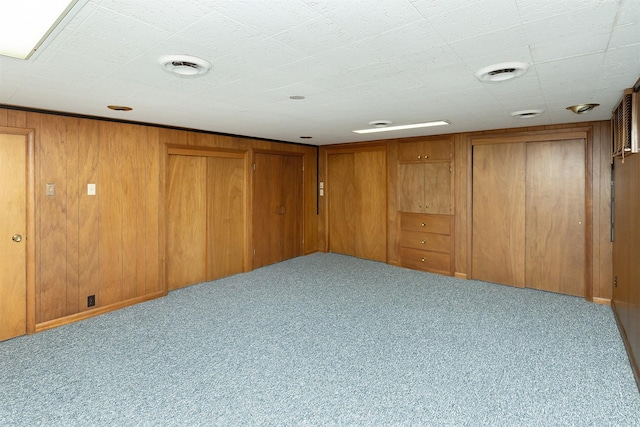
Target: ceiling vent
[502,71]
[526,114]
[185,65]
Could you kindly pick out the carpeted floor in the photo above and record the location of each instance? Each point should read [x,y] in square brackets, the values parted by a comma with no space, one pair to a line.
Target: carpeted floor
[328,340]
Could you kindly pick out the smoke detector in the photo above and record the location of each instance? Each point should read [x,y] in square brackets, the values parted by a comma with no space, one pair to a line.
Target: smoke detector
[185,65]
[582,108]
[526,114]
[502,71]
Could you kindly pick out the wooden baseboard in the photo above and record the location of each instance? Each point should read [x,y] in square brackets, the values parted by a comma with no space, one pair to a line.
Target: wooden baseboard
[632,357]
[96,312]
[602,301]
[460,275]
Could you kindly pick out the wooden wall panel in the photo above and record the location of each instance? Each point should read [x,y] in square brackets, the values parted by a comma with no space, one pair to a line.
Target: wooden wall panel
[371,202]
[340,191]
[89,211]
[154,208]
[462,154]
[73,217]
[292,200]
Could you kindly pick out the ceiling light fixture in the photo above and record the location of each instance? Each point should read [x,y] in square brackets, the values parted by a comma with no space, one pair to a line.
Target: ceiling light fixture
[403,127]
[24,26]
[526,114]
[501,72]
[582,108]
[185,65]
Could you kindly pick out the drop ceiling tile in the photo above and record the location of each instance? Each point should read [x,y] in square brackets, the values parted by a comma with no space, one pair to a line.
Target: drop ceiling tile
[625,35]
[475,19]
[510,40]
[410,39]
[268,18]
[575,45]
[315,36]
[228,36]
[585,66]
[534,10]
[369,18]
[111,35]
[325,6]
[430,8]
[169,15]
[350,56]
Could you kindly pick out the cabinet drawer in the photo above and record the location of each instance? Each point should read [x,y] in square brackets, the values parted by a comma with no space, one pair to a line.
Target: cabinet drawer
[425,241]
[440,224]
[421,151]
[424,260]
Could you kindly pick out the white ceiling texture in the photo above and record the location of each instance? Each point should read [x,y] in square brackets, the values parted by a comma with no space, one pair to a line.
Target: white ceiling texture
[354,61]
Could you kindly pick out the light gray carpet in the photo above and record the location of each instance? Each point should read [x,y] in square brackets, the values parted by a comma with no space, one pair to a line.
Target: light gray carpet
[328,340]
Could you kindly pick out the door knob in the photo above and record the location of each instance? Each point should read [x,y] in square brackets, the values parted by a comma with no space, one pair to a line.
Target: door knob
[17,238]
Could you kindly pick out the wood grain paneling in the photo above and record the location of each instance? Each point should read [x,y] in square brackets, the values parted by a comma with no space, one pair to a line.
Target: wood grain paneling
[498,239]
[340,191]
[411,187]
[267,204]
[186,221]
[292,203]
[371,204]
[555,216]
[225,218]
[438,195]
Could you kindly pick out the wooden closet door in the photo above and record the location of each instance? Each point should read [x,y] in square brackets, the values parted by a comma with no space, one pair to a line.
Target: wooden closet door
[291,206]
[555,216]
[225,216]
[411,189]
[342,213]
[186,221]
[370,205]
[498,237]
[267,207]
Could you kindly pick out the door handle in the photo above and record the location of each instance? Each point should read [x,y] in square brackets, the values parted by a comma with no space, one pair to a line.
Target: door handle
[17,238]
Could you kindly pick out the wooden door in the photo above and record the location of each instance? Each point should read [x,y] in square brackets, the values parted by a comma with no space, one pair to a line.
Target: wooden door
[341,193]
[277,208]
[291,206]
[370,205]
[13,233]
[186,221]
[411,187]
[555,216]
[225,216]
[498,236]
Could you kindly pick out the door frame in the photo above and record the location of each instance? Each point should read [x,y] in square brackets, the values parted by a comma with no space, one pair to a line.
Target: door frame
[29,140]
[578,132]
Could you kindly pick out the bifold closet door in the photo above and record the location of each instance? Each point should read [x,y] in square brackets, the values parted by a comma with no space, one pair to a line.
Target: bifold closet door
[498,238]
[277,208]
[205,218]
[555,216]
[357,192]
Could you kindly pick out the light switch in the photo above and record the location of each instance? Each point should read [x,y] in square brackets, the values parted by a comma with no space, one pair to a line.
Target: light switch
[321,185]
[91,189]
[321,192]
[51,190]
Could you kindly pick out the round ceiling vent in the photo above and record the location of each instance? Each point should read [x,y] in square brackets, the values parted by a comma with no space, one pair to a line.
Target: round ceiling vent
[502,71]
[582,108]
[380,123]
[185,65]
[526,114]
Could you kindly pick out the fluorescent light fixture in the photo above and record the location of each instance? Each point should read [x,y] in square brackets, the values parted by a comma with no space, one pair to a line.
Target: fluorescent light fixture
[403,127]
[26,24]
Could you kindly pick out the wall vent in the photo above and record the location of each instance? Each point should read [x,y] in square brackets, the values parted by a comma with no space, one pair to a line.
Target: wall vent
[624,125]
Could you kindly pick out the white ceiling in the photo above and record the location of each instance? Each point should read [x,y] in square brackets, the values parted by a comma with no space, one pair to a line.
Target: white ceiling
[355,61]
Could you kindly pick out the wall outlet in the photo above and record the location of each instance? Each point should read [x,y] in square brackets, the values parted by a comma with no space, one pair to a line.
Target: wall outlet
[91,300]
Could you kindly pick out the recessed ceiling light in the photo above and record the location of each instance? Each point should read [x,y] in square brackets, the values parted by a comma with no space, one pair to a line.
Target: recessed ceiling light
[185,65]
[403,127]
[502,71]
[24,26]
[296,97]
[526,114]
[380,123]
[306,137]
[119,108]
[582,108]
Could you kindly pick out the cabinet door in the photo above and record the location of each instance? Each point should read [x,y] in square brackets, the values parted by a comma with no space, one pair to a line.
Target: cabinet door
[438,197]
[225,217]
[555,216]
[186,221]
[410,151]
[411,187]
[437,150]
[498,237]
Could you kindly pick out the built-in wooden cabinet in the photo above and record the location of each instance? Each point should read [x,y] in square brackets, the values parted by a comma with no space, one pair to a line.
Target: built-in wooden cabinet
[425,171]
[426,242]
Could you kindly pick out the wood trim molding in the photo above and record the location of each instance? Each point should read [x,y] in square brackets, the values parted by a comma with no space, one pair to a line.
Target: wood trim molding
[98,311]
[190,150]
[601,301]
[532,136]
[458,275]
